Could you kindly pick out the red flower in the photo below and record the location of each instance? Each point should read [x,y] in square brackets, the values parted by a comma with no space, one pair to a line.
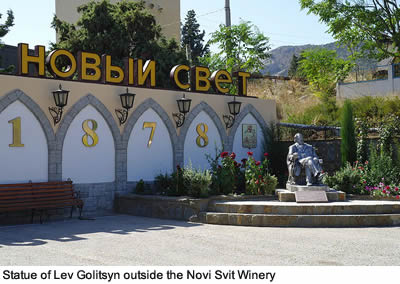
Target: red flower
[235,163]
[387,187]
[260,176]
[258,163]
[366,162]
[384,191]
[396,189]
[233,155]
[244,161]
[239,165]
[250,153]
[224,154]
[266,155]
[398,197]
[257,181]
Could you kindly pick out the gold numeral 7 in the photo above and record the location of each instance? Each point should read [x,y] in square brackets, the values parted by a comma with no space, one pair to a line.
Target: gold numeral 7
[153,126]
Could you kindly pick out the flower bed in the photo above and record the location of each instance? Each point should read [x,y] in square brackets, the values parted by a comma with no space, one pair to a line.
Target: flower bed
[226,176]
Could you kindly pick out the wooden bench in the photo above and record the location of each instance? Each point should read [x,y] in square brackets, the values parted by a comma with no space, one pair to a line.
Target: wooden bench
[42,197]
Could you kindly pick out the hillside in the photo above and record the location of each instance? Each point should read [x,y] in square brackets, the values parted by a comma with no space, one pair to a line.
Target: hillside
[280,59]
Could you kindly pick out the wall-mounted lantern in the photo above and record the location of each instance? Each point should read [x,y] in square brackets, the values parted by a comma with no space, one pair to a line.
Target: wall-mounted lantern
[60,99]
[234,109]
[184,108]
[127,100]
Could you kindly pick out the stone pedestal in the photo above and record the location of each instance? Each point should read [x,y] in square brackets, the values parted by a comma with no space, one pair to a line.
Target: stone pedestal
[296,187]
[289,194]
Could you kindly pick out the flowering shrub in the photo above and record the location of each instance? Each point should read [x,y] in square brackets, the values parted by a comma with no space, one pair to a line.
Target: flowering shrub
[362,179]
[348,179]
[383,190]
[226,175]
[258,179]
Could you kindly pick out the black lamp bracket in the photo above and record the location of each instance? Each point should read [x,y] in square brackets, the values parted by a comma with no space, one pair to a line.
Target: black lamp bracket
[179,119]
[229,120]
[56,114]
[122,115]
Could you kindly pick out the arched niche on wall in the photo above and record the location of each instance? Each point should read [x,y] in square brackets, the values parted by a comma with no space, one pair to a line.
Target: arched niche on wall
[25,141]
[191,136]
[91,159]
[247,118]
[147,155]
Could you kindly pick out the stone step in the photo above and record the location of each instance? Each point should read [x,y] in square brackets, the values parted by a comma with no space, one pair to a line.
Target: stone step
[268,220]
[289,208]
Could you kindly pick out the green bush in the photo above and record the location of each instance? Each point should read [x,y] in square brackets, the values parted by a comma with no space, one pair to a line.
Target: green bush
[196,181]
[140,187]
[381,167]
[186,181]
[164,183]
[347,179]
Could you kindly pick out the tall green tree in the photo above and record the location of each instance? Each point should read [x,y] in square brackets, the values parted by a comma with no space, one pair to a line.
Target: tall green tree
[348,146]
[241,47]
[124,29]
[323,69]
[4,29]
[371,25]
[293,67]
[193,37]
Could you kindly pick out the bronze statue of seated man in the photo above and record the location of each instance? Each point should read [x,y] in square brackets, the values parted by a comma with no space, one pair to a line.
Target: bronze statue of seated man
[302,155]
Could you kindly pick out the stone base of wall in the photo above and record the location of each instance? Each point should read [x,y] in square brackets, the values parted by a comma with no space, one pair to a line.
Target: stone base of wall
[177,208]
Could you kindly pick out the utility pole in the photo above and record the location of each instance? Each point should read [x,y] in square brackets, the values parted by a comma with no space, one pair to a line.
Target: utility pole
[227,23]
[227,13]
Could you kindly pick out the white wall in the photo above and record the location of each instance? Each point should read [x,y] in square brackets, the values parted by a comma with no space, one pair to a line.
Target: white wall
[21,164]
[147,162]
[88,164]
[237,142]
[369,88]
[195,154]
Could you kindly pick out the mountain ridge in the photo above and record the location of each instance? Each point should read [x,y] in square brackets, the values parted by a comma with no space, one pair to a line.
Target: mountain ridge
[279,62]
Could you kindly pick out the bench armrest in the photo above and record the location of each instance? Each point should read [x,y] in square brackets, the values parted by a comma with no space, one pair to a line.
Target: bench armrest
[77,194]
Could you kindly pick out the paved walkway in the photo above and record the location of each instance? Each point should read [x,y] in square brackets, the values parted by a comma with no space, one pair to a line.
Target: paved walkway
[129,240]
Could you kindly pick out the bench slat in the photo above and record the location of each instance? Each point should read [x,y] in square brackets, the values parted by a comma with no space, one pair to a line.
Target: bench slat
[38,196]
[36,187]
[6,195]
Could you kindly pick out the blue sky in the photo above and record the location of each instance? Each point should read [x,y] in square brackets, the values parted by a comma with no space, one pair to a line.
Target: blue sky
[280,20]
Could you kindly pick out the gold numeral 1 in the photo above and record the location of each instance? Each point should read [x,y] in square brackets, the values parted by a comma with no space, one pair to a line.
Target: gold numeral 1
[153,126]
[16,125]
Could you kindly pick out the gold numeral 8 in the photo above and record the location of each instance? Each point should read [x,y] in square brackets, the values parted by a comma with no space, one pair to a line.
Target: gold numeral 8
[90,132]
[202,129]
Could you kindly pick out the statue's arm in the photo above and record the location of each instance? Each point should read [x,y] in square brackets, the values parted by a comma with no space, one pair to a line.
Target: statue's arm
[292,155]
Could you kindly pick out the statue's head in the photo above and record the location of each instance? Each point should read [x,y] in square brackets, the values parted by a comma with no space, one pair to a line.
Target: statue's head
[298,138]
